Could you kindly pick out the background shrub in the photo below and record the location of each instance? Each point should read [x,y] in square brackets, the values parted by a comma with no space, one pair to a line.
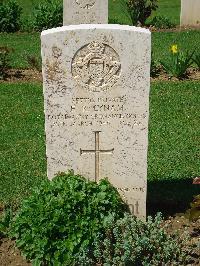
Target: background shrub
[129,241]
[161,22]
[27,24]
[140,10]
[10,13]
[48,14]
[63,217]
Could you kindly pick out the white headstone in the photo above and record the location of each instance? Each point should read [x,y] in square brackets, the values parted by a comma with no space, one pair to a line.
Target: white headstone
[96,92]
[85,12]
[190,12]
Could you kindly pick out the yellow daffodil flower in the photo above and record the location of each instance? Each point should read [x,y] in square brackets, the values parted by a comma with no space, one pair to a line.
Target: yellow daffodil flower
[174,49]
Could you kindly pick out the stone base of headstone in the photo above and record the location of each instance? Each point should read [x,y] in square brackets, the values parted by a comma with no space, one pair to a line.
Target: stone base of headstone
[190,13]
[96,93]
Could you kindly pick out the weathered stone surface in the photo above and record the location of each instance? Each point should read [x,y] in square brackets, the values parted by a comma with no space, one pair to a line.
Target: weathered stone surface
[190,12]
[85,12]
[96,93]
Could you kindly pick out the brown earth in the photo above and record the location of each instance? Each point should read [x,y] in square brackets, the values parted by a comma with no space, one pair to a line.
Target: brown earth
[22,75]
[192,75]
[176,29]
[30,75]
[10,255]
[181,224]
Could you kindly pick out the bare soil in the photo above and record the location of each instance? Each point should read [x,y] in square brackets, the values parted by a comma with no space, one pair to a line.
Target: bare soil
[192,75]
[176,29]
[22,75]
[10,255]
[181,224]
[30,75]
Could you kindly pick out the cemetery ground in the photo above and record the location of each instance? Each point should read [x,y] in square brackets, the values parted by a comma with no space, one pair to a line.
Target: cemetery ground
[174,149]
[174,119]
[168,8]
[173,158]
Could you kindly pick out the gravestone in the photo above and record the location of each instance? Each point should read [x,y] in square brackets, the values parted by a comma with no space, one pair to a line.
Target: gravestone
[190,12]
[85,12]
[96,93]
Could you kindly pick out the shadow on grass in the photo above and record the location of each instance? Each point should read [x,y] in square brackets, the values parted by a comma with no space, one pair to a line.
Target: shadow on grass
[170,196]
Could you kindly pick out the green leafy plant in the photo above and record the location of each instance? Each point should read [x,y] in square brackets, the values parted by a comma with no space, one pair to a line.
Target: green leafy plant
[5,220]
[34,62]
[178,63]
[140,10]
[10,13]
[196,60]
[155,68]
[62,217]
[194,212]
[4,61]
[130,241]
[48,14]
[161,22]
[27,24]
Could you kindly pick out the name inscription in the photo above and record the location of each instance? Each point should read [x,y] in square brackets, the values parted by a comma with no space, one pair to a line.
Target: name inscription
[97,111]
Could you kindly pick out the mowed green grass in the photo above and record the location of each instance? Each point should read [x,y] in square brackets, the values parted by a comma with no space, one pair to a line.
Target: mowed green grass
[174,139]
[162,41]
[166,8]
[29,43]
[22,142]
[117,12]
[170,9]
[174,136]
[27,6]
[23,44]
[174,146]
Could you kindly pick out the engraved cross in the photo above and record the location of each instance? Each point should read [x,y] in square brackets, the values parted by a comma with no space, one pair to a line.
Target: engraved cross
[97,152]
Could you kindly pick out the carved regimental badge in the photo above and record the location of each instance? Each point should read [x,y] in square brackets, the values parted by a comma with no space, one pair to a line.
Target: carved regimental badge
[96,67]
[87,4]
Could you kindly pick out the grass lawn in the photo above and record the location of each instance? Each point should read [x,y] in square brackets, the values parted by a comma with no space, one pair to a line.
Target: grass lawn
[23,44]
[170,9]
[22,145]
[174,136]
[29,43]
[173,140]
[27,6]
[186,40]
[167,8]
